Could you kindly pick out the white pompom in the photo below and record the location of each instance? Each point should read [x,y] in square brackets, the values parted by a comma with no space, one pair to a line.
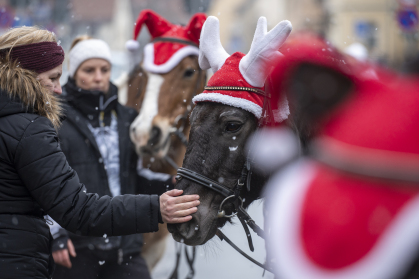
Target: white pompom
[132,45]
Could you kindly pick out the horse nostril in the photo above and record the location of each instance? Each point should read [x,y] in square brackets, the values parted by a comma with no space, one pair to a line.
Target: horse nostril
[133,129]
[154,135]
[183,229]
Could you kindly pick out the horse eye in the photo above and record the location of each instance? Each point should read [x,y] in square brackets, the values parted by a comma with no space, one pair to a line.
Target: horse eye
[233,127]
[189,73]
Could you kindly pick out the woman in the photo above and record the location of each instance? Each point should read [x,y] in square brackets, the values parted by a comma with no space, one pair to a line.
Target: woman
[95,140]
[35,178]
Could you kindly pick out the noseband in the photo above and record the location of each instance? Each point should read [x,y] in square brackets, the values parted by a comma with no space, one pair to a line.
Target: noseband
[233,196]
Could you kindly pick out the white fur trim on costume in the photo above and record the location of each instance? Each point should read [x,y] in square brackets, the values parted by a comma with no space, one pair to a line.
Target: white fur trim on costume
[283,110]
[231,101]
[87,49]
[390,257]
[173,61]
[270,148]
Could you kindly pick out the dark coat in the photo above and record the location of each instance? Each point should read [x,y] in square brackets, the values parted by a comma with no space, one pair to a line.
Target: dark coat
[35,179]
[79,145]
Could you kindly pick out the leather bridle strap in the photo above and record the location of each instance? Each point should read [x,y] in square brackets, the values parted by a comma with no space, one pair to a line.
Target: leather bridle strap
[222,236]
[204,181]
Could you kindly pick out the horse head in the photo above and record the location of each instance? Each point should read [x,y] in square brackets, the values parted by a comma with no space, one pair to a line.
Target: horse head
[226,114]
[162,89]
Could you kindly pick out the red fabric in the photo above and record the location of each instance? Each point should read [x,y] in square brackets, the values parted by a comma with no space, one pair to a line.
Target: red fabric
[229,75]
[156,24]
[163,51]
[379,116]
[38,57]
[305,48]
[343,216]
[160,28]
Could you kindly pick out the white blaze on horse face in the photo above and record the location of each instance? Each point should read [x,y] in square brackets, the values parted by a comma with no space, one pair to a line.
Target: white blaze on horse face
[149,109]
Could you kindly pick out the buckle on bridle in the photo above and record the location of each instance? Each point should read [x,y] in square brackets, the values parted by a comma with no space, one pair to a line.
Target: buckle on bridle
[221,212]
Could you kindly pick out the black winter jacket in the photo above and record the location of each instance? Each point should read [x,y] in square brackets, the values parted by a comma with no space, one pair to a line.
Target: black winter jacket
[35,179]
[79,145]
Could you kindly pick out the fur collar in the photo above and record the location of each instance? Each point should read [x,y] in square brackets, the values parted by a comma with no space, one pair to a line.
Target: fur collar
[22,84]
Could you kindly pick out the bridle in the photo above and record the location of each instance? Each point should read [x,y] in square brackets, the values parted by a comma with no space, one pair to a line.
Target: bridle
[233,195]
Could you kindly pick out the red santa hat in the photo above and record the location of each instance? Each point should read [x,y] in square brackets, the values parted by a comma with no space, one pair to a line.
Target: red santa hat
[170,42]
[351,210]
[239,79]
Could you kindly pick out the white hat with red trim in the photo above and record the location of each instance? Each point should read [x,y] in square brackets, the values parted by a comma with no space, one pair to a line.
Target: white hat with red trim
[239,79]
[170,42]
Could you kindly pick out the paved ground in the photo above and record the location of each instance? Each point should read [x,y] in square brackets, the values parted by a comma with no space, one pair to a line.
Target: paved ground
[217,259]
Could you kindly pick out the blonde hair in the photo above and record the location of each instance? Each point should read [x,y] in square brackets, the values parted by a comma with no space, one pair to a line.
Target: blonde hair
[23,83]
[24,36]
[78,39]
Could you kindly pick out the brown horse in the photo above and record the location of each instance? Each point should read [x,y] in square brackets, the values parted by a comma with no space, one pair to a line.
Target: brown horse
[161,88]
[164,102]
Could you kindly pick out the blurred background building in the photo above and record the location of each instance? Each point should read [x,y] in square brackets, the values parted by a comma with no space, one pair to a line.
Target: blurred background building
[384,30]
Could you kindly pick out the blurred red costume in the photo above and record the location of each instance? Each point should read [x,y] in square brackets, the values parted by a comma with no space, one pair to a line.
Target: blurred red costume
[351,210]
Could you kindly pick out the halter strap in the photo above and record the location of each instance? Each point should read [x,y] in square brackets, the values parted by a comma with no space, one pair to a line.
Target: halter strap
[204,181]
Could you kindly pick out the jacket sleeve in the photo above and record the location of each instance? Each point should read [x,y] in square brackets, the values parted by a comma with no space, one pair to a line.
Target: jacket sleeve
[44,171]
[59,235]
[150,182]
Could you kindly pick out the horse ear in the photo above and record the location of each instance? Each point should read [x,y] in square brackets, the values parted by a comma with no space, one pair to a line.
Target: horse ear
[156,24]
[194,27]
[211,52]
[263,52]
[315,91]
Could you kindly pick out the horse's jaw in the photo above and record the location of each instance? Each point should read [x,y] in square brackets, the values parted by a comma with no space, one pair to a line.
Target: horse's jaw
[201,228]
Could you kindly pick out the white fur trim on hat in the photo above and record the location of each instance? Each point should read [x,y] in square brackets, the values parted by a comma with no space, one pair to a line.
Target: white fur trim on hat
[173,61]
[231,101]
[85,50]
[394,251]
[280,114]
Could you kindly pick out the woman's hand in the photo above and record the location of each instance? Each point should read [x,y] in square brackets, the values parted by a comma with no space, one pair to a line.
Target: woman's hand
[175,209]
[61,257]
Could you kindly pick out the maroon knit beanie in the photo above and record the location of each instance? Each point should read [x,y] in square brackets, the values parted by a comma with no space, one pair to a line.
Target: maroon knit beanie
[38,57]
